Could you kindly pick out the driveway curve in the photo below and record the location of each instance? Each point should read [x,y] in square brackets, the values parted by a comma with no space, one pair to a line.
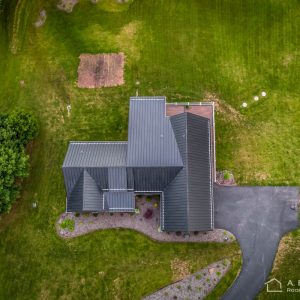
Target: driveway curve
[258,217]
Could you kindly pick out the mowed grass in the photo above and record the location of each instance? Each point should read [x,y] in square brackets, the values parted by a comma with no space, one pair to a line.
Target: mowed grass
[286,268]
[185,50]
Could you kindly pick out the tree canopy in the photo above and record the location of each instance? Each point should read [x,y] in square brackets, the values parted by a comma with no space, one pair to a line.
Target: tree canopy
[16,130]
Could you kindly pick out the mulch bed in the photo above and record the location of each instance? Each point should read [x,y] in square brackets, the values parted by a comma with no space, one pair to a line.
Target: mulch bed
[222,180]
[101,70]
[143,221]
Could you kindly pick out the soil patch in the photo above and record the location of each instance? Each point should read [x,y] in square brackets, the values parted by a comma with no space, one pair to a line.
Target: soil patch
[41,19]
[101,70]
[224,108]
[67,5]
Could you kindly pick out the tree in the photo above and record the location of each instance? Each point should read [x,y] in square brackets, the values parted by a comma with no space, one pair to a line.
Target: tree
[16,130]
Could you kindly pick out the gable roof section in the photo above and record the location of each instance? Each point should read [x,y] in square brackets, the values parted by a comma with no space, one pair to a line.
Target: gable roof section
[96,154]
[86,195]
[188,199]
[151,140]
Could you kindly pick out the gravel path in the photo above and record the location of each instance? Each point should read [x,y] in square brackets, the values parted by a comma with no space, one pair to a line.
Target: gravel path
[86,223]
[196,286]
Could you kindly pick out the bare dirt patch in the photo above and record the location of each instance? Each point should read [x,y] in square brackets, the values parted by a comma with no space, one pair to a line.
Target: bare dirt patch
[67,5]
[224,108]
[127,40]
[41,19]
[180,269]
[101,70]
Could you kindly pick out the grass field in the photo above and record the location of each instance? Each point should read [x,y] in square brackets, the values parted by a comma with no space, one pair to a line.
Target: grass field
[185,50]
[286,267]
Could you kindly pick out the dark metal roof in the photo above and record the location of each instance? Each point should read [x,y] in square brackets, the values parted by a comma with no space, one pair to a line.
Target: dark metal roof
[117,178]
[188,199]
[151,140]
[86,195]
[148,179]
[119,201]
[96,154]
[171,155]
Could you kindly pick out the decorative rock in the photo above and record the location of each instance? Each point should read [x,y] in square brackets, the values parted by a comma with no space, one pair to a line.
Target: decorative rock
[195,286]
[86,223]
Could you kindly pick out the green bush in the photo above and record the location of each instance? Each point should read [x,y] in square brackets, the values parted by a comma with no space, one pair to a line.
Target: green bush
[16,130]
[226,175]
[68,224]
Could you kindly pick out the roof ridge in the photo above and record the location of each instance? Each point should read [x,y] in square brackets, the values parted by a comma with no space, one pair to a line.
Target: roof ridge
[187,170]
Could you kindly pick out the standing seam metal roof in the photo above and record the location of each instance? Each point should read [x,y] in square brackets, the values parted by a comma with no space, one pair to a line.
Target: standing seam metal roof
[188,199]
[167,154]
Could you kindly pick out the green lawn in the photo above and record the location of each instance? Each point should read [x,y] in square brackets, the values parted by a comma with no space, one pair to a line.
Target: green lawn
[186,50]
[286,267]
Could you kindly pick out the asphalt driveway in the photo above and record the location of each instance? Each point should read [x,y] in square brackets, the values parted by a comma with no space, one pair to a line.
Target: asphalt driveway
[258,217]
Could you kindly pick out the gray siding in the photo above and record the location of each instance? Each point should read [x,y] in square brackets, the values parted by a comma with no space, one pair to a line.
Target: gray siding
[151,140]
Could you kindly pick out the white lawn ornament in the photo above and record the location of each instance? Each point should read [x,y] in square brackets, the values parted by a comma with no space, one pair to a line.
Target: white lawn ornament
[256,98]
[69,109]
[264,94]
[244,104]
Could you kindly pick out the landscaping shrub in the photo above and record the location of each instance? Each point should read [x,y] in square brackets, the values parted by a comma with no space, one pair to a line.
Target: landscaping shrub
[77,214]
[226,175]
[68,224]
[16,130]
[148,214]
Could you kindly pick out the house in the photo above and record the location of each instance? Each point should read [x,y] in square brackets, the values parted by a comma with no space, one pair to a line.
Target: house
[170,152]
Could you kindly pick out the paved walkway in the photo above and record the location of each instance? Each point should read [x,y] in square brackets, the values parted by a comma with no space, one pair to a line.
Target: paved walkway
[258,217]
